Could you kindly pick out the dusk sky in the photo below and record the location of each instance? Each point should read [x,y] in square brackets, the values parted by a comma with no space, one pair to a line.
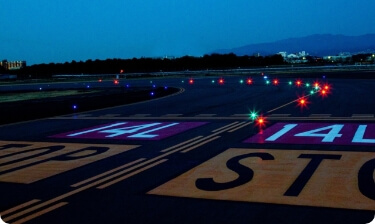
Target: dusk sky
[44,31]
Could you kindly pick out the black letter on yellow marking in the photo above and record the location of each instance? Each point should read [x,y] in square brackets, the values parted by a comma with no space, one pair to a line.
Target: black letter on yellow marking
[307,173]
[70,156]
[49,149]
[366,182]
[245,173]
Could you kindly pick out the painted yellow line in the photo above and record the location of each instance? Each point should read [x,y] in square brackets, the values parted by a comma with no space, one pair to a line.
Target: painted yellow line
[322,119]
[231,124]
[182,143]
[84,115]
[131,174]
[205,115]
[278,115]
[239,115]
[363,115]
[140,115]
[111,115]
[172,115]
[19,207]
[233,130]
[150,118]
[229,128]
[320,115]
[106,173]
[44,211]
[270,111]
[200,144]
[281,118]
[288,103]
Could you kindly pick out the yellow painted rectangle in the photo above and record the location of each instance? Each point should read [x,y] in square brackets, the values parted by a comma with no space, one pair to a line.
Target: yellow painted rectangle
[334,183]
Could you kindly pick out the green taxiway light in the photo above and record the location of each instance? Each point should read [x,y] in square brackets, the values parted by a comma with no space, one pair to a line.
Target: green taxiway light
[253,115]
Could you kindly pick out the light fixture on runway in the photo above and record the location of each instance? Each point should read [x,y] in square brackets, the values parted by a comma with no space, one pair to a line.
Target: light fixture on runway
[298,83]
[249,81]
[261,122]
[303,102]
[253,115]
[275,82]
[221,81]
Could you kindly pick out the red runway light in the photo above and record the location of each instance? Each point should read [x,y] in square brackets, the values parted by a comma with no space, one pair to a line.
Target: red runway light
[260,122]
[302,102]
[221,81]
[249,81]
[298,83]
[116,82]
[275,82]
[316,84]
[191,81]
[100,80]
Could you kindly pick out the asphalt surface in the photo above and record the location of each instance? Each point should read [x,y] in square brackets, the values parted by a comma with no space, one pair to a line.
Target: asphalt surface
[196,156]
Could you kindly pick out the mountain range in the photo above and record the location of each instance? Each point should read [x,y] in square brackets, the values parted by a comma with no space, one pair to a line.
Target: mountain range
[316,45]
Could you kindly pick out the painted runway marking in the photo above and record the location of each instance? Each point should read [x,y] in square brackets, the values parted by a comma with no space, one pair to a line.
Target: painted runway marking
[132,130]
[363,115]
[28,162]
[172,115]
[295,177]
[317,133]
[275,117]
[320,115]
[226,126]
[19,207]
[205,115]
[140,115]
[279,115]
[110,177]
[111,115]
[239,115]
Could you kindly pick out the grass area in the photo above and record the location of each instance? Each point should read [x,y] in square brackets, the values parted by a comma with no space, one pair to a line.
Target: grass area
[13,97]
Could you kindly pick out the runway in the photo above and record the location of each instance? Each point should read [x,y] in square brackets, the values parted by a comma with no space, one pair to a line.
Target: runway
[200,156]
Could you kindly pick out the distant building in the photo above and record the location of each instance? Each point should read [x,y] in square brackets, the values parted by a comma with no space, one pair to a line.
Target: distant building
[12,65]
[299,57]
[342,57]
[283,54]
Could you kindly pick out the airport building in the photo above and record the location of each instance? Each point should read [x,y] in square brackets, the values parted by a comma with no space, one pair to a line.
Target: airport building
[299,57]
[12,65]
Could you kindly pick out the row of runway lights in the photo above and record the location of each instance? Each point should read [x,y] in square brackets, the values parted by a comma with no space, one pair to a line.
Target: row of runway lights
[316,87]
[324,89]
